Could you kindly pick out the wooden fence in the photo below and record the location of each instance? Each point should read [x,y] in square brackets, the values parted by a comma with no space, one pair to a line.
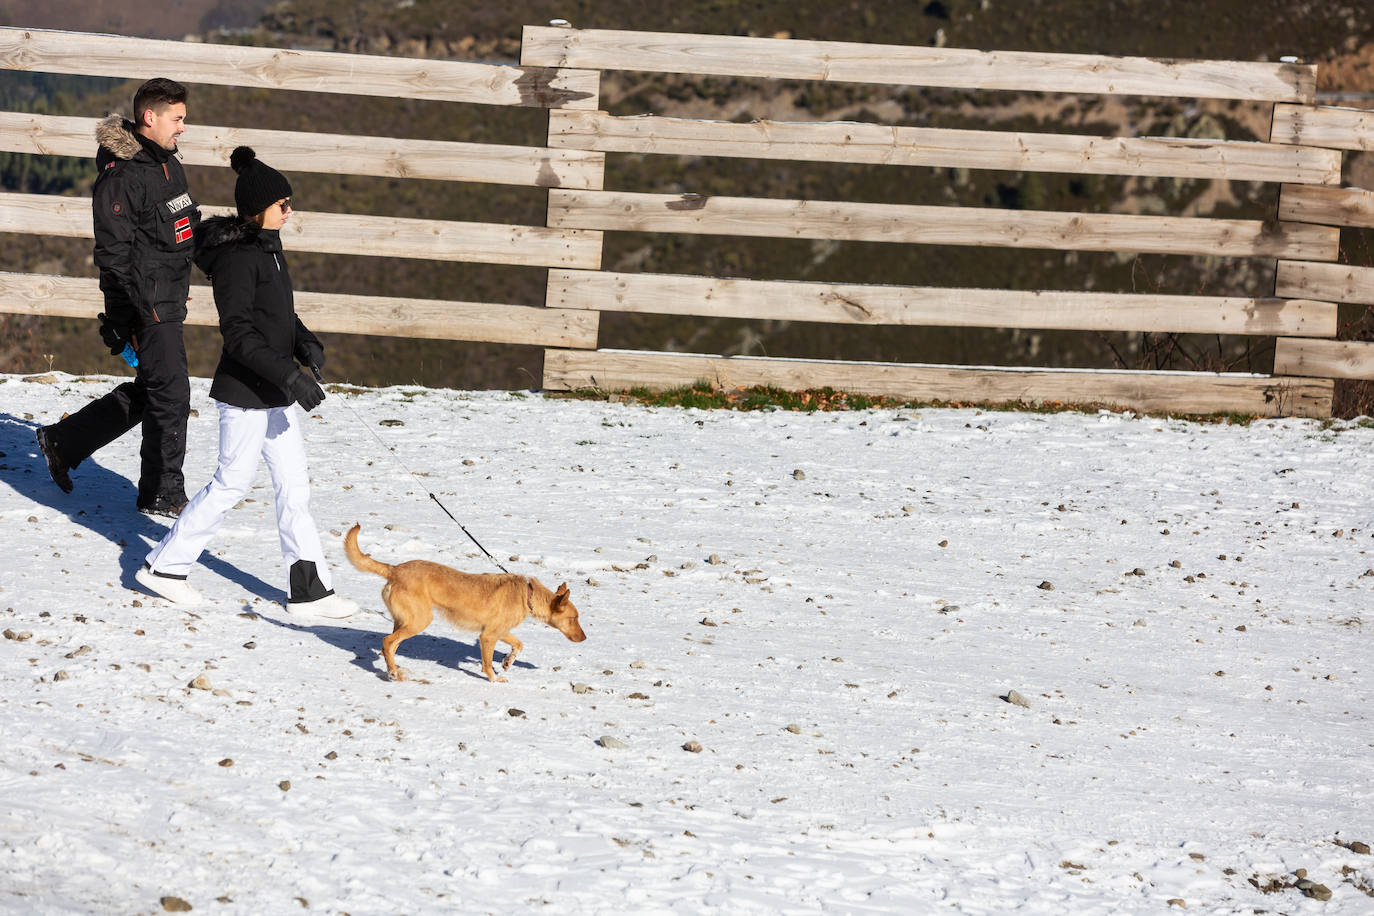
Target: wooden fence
[335,233]
[560,71]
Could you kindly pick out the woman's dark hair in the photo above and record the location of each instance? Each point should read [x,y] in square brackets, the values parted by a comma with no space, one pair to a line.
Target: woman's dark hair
[158,92]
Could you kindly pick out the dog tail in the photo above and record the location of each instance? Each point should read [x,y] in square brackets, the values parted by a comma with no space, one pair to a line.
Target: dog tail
[361,560]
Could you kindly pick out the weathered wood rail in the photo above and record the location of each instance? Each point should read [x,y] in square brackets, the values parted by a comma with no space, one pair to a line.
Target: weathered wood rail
[561,70]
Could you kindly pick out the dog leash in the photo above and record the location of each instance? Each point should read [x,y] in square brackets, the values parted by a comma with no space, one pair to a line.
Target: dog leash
[319,377]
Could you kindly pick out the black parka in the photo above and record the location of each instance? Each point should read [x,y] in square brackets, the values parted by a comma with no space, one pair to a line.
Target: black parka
[145,224]
[257,314]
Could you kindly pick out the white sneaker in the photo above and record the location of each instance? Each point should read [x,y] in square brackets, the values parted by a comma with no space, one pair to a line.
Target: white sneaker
[333,606]
[175,590]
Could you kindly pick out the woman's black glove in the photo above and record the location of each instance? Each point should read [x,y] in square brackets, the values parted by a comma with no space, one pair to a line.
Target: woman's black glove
[303,389]
[311,353]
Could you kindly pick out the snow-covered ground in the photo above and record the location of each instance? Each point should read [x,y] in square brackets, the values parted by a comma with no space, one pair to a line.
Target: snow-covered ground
[802,634]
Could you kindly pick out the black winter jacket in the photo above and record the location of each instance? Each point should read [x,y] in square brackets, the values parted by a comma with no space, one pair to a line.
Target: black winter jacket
[145,226]
[257,314]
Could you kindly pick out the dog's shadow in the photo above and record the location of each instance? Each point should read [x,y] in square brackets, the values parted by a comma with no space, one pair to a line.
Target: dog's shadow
[99,505]
[366,648]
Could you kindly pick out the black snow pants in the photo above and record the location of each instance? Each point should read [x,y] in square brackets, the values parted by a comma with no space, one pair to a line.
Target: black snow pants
[159,398]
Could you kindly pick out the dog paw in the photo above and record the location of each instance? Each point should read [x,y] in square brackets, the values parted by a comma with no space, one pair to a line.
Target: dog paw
[399,674]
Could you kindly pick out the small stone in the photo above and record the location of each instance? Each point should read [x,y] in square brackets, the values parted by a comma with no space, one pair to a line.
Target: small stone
[1314,890]
[1175,564]
[708,622]
[714,559]
[581,688]
[592,582]
[201,682]
[515,713]
[638,664]
[226,762]
[610,743]
[18,637]
[1016,699]
[1178,901]
[76,653]
[391,423]
[1137,571]
[284,785]
[1361,848]
[794,728]
[175,905]
[250,645]
[944,543]
[1139,622]
[1219,673]
[1241,628]
[61,676]
[693,747]
[1047,585]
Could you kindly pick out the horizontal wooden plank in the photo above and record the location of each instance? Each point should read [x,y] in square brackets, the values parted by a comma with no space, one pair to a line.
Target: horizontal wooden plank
[79,297]
[1173,392]
[663,294]
[1331,282]
[123,57]
[879,144]
[960,68]
[1328,206]
[1352,359]
[1332,128]
[927,225]
[294,151]
[343,233]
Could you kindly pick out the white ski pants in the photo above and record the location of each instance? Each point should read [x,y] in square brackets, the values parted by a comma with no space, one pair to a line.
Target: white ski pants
[245,437]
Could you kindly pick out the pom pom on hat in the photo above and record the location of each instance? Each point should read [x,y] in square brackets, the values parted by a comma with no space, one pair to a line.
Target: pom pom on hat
[240,157]
[259,185]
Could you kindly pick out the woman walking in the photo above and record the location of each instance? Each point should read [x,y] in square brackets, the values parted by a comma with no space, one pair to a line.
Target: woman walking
[256,386]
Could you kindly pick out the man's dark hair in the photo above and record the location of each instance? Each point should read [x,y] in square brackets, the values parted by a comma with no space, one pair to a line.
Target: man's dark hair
[156,93]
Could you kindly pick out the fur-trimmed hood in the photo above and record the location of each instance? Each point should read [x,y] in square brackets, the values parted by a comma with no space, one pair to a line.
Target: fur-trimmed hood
[218,234]
[117,135]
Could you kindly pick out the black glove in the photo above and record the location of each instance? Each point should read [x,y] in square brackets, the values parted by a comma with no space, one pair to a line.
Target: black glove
[302,389]
[311,353]
[114,335]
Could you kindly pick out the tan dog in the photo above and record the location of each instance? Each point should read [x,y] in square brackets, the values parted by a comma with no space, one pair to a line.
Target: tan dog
[492,604]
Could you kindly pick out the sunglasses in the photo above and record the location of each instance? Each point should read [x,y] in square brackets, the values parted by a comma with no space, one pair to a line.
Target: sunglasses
[285,204]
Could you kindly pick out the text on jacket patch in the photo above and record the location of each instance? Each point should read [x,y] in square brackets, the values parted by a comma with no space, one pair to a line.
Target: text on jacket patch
[177,204]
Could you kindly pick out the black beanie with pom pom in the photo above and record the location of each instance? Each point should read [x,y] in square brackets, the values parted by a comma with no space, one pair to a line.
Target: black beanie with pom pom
[259,185]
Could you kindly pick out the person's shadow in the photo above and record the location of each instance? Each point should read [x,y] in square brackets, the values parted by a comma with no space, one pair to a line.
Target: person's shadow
[103,503]
[366,647]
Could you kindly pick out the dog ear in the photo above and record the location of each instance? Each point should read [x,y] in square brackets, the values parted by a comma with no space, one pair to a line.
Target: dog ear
[562,591]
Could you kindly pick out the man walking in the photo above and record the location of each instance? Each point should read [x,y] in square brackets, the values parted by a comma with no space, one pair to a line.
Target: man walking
[145,224]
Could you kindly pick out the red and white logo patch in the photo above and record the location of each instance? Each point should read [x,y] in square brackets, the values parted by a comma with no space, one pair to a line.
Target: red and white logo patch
[118,207]
[183,229]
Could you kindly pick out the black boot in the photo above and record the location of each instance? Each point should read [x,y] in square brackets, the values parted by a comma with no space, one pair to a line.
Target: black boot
[57,468]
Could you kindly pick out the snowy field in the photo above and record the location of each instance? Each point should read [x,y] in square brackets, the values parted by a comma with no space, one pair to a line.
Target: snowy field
[803,635]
